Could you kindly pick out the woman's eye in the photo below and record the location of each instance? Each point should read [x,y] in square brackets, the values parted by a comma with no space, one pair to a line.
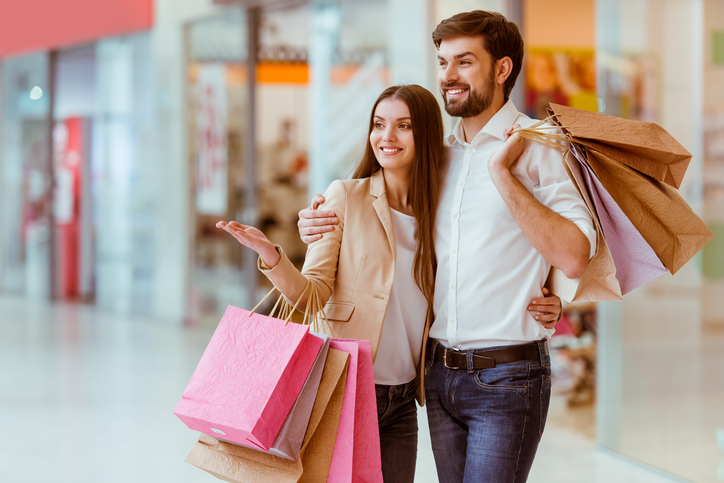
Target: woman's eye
[405,126]
[379,125]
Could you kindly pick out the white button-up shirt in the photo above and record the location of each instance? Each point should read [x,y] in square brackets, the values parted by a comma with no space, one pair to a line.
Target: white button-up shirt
[488,272]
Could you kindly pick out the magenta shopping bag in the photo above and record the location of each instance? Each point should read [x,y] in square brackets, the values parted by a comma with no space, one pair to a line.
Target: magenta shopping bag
[249,378]
[356,454]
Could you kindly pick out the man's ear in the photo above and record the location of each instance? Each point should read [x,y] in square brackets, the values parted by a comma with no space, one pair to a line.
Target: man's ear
[503,68]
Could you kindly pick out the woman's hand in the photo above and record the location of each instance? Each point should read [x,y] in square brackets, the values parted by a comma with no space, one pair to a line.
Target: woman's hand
[253,238]
[546,310]
[506,156]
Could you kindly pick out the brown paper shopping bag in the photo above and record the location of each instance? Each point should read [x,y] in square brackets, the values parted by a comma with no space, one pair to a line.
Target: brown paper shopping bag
[598,282]
[239,464]
[657,211]
[643,146]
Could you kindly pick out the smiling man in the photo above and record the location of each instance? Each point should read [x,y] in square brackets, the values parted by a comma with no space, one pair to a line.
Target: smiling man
[500,227]
[507,213]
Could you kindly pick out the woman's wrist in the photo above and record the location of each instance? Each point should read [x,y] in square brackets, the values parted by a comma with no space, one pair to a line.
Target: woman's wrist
[270,256]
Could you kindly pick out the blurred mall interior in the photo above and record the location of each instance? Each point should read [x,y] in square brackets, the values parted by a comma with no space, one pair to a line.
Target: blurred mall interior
[128,128]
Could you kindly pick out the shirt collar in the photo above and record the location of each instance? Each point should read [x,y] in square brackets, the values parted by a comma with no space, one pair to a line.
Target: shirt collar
[495,127]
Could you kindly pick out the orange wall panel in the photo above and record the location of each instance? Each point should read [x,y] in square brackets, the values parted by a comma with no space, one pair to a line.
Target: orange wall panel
[560,23]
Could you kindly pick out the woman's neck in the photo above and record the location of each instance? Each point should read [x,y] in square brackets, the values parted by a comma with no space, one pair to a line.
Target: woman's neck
[397,185]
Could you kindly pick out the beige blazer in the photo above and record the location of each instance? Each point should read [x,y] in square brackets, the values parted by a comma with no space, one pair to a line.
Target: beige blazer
[353,266]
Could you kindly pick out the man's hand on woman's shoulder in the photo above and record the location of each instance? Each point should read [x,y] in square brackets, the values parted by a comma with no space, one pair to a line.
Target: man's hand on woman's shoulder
[313,223]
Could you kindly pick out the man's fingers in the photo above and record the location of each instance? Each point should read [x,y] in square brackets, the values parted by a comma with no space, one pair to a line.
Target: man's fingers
[316,201]
[311,238]
[315,230]
[320,222]
[541,317]
[310,214]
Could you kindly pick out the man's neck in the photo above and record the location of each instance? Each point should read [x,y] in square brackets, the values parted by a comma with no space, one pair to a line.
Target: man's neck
[473,125]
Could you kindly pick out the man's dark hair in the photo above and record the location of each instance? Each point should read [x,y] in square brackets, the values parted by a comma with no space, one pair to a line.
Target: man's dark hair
[501,38]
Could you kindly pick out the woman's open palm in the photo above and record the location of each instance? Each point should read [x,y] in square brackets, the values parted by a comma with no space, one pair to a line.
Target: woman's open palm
[253,238]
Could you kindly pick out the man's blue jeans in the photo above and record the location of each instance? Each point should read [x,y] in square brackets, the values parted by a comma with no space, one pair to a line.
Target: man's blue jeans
[485,425]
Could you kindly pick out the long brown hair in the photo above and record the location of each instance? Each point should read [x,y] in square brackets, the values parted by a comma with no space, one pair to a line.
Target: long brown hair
[427,130]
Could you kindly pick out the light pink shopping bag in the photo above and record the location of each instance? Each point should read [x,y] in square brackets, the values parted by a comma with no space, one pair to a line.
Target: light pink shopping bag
[248,378]
[356,454]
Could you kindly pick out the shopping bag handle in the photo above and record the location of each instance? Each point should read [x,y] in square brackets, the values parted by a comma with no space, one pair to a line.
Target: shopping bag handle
[314,310]
[537,133]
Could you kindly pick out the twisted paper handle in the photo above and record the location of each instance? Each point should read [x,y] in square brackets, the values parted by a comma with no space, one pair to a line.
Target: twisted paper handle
[313,312]
[537,133]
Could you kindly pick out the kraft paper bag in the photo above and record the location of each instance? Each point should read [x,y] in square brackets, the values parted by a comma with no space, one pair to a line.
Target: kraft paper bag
[636,262]
[249,378]
[598,282]
[357,449]
[643,146]
[238,464]
[657,211]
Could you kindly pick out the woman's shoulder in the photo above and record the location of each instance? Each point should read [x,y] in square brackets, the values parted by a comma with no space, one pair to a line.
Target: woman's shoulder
[350,186]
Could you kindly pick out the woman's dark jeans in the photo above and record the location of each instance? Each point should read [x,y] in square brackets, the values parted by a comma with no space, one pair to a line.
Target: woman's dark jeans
[397,418]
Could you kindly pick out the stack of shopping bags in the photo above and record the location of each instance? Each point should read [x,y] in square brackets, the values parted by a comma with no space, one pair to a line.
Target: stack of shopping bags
[276,402]
[628,173]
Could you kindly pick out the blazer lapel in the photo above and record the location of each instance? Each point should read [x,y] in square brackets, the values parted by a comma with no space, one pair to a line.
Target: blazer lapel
[382,207]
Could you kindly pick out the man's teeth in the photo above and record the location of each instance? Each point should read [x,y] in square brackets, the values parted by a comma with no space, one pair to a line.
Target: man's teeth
[390,150]
[455,91]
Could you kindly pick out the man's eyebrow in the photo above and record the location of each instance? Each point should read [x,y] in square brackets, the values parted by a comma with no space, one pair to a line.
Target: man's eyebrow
[459,56]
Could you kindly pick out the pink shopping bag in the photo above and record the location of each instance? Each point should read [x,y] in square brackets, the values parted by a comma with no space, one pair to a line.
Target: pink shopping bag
[356,454]
[248,378]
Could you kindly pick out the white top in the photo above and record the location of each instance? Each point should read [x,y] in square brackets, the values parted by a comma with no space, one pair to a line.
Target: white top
[488,272]
[406,310]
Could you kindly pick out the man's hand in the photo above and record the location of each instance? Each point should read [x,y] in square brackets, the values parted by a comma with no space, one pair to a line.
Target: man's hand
[506,156]
[546,310]
[312,223]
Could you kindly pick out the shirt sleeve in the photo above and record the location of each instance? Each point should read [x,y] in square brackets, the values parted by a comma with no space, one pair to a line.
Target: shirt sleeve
[548,180]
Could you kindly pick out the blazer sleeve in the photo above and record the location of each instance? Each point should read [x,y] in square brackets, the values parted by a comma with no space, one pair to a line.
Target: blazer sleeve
[320,263]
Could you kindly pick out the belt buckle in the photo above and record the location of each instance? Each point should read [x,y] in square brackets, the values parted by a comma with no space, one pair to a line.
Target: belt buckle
[444,357]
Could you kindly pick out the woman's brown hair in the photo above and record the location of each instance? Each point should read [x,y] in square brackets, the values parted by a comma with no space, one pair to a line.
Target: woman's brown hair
[427,131]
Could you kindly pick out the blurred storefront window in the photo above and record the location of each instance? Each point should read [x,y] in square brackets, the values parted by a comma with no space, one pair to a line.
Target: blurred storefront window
[217,103]
[661,350]
[25,185]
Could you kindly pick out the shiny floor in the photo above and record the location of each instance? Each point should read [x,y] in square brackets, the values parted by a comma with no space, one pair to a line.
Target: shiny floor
[87,397]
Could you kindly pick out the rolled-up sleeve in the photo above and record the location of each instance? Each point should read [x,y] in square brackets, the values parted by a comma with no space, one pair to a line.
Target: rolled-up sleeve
[555,190]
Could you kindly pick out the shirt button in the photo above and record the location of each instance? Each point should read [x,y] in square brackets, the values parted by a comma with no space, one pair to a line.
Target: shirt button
[455,216]
[454,251]
[460,183]
[470,150]
[452,285]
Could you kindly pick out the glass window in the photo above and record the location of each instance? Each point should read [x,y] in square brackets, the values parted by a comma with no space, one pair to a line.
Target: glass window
[25,177]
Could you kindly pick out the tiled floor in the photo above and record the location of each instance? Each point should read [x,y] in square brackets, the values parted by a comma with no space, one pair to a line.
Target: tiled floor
[87,397]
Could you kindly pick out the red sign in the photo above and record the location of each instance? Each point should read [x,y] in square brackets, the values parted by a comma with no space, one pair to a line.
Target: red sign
[67,161]
[31,25]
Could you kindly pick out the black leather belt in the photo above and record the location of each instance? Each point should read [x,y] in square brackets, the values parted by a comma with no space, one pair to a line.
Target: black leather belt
[486,358]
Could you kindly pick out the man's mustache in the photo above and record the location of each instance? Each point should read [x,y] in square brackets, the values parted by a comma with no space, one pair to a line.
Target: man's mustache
[448,85]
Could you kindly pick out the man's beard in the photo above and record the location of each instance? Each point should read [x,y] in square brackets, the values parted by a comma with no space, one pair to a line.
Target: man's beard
[476,102]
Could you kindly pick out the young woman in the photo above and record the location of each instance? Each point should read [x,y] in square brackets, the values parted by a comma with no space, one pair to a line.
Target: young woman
[376,269]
